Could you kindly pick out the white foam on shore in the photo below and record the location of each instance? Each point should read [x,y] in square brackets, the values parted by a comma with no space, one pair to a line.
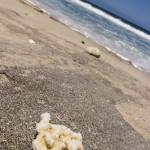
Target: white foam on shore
[112,19]
[125,59]
[122,57]
[29,2]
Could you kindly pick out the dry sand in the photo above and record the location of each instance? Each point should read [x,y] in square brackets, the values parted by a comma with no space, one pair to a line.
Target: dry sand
[45,67]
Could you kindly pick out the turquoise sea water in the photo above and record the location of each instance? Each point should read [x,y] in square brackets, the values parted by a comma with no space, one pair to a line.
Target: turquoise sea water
[119,37]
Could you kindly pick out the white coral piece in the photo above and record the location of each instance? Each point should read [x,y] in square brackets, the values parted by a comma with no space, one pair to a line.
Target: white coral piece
[55,137]
[94,51]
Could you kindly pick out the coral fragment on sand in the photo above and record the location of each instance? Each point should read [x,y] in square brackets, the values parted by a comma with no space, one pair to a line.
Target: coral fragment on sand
[31,41]
[3,78]
[93,51]
[55,137]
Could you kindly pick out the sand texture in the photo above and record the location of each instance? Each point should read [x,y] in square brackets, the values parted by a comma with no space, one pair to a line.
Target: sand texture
[45,67]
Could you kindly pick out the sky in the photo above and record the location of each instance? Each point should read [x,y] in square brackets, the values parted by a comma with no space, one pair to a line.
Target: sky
[135,11]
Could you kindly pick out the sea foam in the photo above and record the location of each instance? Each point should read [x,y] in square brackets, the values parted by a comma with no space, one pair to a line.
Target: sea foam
[112,19]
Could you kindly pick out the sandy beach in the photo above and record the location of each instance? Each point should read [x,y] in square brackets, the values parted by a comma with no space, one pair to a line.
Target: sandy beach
[45,67]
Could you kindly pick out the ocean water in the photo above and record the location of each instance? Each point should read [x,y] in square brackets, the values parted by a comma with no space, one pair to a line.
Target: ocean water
[119,37]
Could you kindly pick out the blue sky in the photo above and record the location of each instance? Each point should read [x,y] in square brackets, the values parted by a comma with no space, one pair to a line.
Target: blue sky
[135,11]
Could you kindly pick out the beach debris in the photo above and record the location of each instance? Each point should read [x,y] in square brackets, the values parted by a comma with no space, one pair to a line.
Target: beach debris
[82,42]
[31,41]
[3,78]
[55,137]
[94,51]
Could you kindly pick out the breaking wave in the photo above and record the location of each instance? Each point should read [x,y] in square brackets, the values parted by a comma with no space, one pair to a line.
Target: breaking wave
[112,19]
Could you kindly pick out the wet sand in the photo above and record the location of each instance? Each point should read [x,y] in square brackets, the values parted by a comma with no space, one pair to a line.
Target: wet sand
[45,67]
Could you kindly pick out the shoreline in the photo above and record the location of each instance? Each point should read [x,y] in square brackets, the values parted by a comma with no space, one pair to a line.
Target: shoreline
[37,8]
[124,65]
[120,18]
